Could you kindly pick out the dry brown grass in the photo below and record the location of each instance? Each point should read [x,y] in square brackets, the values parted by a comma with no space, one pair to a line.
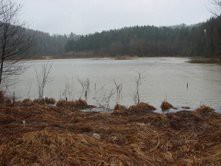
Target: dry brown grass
[125,57]
[45,101]
[205,60]
[141,107]
[4,100]
[76,104]
[166,106]
[59,136]
[27,102]
[1,96]
[204,110]
[120,109]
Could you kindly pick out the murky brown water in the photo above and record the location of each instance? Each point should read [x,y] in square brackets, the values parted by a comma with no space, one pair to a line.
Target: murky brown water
[162,78]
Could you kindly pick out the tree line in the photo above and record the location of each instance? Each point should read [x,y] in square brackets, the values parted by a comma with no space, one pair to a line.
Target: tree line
[202,39]
[44,44]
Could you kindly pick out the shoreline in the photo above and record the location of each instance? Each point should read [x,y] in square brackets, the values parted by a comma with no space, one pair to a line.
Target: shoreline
[206,60]
[199,60]
[99,57]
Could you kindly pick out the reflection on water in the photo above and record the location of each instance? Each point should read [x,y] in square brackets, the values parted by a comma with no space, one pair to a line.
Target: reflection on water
[181,83]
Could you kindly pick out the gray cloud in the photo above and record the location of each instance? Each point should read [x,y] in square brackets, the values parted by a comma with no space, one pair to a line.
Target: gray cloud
[88,16]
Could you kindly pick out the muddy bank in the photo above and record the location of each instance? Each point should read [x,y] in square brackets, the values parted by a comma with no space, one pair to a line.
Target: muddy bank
[36,133]
[206,60]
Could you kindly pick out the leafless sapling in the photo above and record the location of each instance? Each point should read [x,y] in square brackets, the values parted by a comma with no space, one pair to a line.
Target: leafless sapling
[103,97]
[43,78]
[68,90]
[85,84]
[119,88]
[136,96]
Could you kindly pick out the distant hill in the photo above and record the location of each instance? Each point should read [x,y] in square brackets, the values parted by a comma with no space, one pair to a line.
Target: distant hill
[203,39]
[44,44]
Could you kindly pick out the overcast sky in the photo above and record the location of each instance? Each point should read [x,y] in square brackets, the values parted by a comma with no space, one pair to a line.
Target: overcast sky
[89,16]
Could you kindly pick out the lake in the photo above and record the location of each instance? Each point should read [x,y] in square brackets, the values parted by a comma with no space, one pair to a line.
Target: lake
[173,79]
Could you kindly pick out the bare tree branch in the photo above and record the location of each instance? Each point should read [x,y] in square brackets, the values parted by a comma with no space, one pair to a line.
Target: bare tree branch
[217,10]
[14,40]
[43,78]
[136,96]
[85,84]
[119,88]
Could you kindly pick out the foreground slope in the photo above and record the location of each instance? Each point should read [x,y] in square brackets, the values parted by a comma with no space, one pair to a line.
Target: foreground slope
[41,134]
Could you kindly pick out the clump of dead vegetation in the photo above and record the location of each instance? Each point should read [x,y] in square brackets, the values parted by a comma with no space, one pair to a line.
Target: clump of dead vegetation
[120,109]
[204,110]
[45,101]
[1,96]
[77,104]
[141,107]
[125,57]
[27,102]
[137,108]
[4,99]
[205,60]
[41,134]
[166,106]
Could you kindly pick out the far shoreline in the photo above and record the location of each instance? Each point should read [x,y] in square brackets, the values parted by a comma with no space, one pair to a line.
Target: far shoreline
[123,57]
[199,60]
[206,60]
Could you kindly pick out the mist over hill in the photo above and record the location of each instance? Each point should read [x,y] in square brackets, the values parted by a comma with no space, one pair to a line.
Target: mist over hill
[44,44]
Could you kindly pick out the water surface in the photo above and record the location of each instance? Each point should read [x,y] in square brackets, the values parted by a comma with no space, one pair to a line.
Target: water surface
[162,78]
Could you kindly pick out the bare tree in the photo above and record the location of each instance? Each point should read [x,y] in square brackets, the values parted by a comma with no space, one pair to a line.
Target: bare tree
[85,84]
[43,78]
[136,96]
[14,40]
[119,88]
[68,89]
[217,10]
[107,99]
[103,97]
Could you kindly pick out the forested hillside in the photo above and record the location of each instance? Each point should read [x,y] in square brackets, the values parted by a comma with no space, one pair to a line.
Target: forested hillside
[44,44]
[203,39]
